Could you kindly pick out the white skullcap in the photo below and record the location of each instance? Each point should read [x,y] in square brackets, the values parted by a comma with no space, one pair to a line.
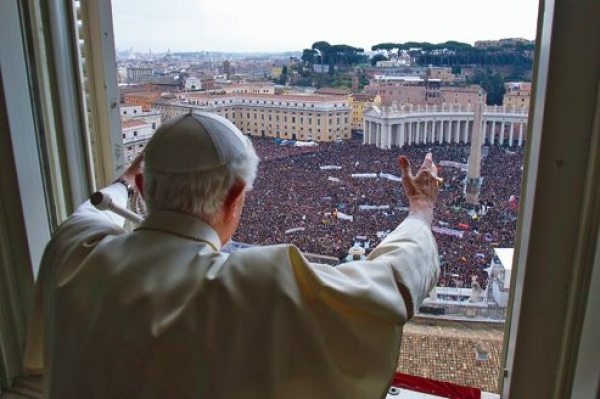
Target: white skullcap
[194,142]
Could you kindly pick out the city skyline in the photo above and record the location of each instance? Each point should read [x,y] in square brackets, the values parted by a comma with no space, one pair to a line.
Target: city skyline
[271,26]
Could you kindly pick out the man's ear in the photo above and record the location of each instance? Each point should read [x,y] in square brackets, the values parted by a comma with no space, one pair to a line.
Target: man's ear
[233,196]
[139,183]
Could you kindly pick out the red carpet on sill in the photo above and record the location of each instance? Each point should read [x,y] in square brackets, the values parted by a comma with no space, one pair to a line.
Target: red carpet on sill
[433,387]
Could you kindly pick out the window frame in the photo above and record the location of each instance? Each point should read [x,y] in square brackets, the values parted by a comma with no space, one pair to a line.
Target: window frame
[570,177]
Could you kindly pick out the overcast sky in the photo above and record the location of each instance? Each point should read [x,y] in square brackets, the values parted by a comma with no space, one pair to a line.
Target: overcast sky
[277,25]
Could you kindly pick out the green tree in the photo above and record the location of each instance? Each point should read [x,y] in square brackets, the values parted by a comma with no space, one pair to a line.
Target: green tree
[308,56]
[378,57]
[284,75]
[492,83]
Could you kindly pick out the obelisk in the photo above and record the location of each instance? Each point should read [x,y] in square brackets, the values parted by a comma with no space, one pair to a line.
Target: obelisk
[473,183]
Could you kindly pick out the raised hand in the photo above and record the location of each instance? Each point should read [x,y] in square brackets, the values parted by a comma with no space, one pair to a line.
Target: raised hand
[129,175]
[422,189]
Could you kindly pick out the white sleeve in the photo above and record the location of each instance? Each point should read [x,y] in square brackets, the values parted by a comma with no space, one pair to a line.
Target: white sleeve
[119,195]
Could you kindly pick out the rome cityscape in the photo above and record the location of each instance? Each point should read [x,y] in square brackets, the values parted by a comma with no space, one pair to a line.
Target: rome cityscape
[329,121]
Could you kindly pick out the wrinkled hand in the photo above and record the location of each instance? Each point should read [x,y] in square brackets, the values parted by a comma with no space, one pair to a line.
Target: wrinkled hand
[134,169]
[422,189]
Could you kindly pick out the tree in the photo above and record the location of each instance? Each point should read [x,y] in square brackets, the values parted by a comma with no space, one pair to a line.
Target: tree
[324,51]
[308,56]
[378,57]
[492,83]
[284,75]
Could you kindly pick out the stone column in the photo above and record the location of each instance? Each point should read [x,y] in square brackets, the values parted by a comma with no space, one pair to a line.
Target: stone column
[428,131]
[502,132]
[521,125]
[456,132]
[511,128]
[473,183]
[401,135]
[418,133]
[388,129]
[493,133]
[410,140]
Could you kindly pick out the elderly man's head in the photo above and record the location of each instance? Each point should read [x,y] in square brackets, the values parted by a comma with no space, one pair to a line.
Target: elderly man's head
[199,164]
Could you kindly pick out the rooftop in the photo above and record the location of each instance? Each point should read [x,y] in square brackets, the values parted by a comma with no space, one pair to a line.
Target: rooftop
[127,123]
[446,351]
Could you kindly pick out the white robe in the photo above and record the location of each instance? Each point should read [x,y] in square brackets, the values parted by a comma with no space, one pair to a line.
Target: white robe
[161,313]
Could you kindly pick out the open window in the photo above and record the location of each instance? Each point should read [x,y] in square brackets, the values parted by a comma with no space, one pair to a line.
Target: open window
[63,142]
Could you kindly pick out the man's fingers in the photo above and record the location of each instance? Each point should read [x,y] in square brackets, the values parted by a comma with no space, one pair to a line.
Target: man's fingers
[427,162]
[407,177]
[404,165]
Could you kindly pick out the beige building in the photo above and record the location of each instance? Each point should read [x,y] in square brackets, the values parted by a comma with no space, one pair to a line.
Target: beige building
[276,71]
[249,88]
[417,91]
[358,104]
[294,117]
[517,95]
[402,90]
[444,74]
[462,95]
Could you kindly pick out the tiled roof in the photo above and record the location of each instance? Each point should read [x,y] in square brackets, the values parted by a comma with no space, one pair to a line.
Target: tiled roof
[445,351]
[146,93]
[127,123]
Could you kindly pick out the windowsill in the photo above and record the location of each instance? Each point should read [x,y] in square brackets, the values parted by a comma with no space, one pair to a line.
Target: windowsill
[31,388]
[25,388]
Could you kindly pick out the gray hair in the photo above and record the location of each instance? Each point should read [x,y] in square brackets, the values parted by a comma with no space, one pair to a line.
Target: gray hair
[202,193]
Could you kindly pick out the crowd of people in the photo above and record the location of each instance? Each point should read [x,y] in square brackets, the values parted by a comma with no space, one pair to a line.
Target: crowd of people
[309,197]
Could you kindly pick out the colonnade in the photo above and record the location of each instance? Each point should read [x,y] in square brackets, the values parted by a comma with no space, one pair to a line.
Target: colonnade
[408,129]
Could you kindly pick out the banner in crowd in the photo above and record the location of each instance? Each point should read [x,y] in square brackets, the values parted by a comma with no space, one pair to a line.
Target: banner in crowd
[294,229]
[375,176]
[305,144]
[330,178]
[343,216]
[453,164]
[448,232]
[373,207]
[390,177]
[365,175]
[328,167]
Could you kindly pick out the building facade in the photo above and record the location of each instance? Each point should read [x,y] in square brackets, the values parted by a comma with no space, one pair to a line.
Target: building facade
[249,88]
[136,134]
[137,127]
[518,94]
[462,95]
[358,104]
[444,74]
[291,117]
[139,74]
[401,126]
[402,90]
